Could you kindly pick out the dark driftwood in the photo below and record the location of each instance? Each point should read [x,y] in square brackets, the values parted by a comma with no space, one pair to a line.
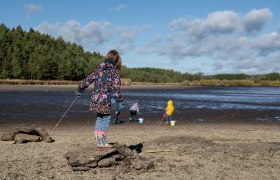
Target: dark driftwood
[121,157]
[24,138]
[8,137]
[20,135]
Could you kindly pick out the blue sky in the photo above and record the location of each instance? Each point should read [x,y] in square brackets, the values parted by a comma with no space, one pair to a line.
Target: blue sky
[217,36]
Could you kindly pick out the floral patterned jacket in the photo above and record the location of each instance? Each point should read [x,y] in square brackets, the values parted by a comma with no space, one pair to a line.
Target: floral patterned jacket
[107,83]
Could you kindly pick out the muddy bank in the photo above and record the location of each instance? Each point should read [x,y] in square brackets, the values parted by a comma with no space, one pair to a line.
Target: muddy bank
[189,151]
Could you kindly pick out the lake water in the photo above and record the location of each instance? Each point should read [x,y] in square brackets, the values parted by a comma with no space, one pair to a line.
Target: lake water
[213,98]
[52,103]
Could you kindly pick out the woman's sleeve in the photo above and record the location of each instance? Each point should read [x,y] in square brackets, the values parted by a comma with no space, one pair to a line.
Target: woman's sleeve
[86,82]
[116,82]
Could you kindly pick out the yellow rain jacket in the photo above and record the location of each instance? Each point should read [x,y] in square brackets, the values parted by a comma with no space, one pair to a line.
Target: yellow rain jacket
[169,108]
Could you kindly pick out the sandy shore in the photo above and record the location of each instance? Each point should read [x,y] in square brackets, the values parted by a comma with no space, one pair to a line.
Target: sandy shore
[190,151]
[227,148]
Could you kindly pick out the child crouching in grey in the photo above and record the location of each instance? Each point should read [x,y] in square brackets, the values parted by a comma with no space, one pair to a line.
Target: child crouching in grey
[133,112]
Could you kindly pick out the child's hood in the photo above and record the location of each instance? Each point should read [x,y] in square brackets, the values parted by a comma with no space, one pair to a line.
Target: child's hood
[108,64]
[169,102]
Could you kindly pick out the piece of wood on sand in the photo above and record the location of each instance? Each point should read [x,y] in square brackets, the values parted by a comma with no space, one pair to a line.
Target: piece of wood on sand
[27,134]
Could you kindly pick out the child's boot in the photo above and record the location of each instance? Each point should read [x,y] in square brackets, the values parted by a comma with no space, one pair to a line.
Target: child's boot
[97,138]
[102,143]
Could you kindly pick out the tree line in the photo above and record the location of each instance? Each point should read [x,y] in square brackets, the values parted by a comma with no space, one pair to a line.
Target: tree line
[31,55]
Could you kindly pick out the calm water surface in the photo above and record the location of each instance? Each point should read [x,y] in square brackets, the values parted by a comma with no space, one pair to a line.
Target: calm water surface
[51,103]
[214,98]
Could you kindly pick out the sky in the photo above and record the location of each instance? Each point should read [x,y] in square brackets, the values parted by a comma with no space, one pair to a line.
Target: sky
[189,36]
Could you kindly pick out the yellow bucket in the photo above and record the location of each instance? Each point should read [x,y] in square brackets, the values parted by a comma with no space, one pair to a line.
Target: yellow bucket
[172,123]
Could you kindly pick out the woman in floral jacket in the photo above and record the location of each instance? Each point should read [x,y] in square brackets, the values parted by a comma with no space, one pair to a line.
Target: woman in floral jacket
[107,85]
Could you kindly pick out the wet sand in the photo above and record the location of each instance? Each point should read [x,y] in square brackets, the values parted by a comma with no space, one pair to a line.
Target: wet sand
[203,144]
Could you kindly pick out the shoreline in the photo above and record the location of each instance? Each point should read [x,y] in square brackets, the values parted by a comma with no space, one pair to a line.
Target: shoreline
[133,86]
[5,87]
[129,82]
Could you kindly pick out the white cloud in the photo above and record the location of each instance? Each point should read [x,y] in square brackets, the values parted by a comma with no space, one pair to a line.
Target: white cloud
[255,20]
[90,35]
[126,37]
[224,38]
[95,36]
[267,43]
[149,48]
[32,9]
[119,8]
[127,34]
[222,22]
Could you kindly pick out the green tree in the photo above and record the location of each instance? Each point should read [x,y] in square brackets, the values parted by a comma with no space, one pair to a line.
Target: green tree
[5,52]
[273,76]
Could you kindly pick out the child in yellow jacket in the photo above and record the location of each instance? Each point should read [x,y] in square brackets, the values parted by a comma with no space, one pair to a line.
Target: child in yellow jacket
[169,111]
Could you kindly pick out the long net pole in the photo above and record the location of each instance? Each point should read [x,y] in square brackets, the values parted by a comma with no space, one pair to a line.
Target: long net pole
[64,113]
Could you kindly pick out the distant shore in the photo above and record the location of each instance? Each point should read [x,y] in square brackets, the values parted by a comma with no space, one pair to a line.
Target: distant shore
[69,87]
[128,83]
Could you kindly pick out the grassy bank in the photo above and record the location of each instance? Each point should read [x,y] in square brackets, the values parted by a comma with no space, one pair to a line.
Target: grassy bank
[246,83]
[126,82]
[36,82]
